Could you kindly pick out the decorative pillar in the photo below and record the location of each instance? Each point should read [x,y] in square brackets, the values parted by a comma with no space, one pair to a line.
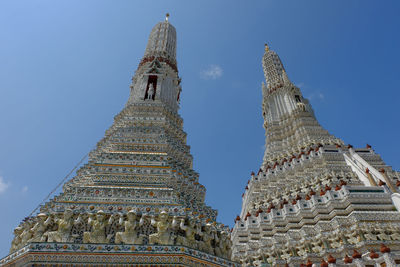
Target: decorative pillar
[387,181]
[370,178]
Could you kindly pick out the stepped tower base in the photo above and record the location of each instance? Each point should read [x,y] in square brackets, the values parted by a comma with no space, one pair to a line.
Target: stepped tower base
[71,254]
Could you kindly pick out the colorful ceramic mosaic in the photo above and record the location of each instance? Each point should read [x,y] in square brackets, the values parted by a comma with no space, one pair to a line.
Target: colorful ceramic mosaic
[160,255]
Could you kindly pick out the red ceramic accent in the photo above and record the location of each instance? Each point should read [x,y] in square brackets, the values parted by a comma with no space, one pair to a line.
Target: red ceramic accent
[373,254]
[384,249]
[327,188]
[347,259]
[331,259]
[356,255]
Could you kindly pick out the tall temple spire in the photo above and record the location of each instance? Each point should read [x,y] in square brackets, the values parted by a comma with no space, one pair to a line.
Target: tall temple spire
[138,187]
[289,120]
[313,199]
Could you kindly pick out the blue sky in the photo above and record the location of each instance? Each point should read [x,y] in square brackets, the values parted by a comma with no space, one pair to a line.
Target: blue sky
[65,70]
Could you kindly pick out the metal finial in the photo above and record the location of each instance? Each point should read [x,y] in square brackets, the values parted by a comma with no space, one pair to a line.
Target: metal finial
[166,17]
[266,47]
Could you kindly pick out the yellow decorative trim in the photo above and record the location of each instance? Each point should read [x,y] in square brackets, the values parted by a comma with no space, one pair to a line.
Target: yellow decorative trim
[138,144]
[131,166]
[137,152]
[130,203]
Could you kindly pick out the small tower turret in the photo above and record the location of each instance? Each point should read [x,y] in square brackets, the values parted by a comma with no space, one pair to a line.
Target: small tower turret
[284,107]
[156,79]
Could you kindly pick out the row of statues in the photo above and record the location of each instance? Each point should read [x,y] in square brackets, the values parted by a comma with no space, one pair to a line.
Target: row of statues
[320,243]
[101,228]
[349,237]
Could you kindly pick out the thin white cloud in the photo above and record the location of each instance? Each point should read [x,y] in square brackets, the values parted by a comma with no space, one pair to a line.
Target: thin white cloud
[3,185]
[212,72]
[24,189]
[309,93]
[315,96]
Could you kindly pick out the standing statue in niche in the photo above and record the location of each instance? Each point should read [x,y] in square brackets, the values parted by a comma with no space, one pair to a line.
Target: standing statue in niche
[150,92]
[130,236]
[99,224]
[164,235]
